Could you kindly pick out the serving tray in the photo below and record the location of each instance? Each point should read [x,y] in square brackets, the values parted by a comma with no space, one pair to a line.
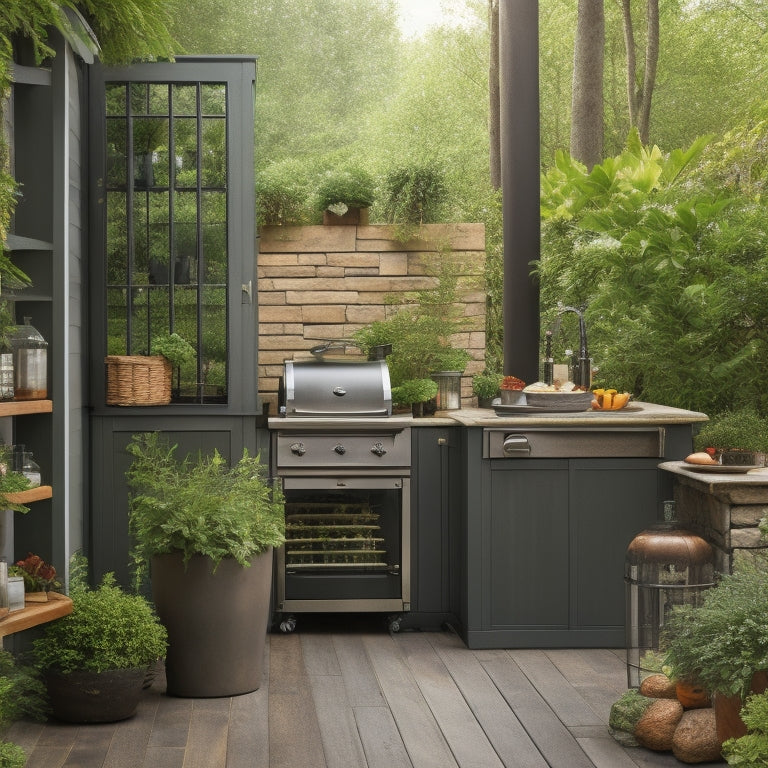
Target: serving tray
[726,469]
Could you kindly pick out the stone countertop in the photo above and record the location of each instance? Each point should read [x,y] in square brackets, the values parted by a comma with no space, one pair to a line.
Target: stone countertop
[719,479]
[639,414]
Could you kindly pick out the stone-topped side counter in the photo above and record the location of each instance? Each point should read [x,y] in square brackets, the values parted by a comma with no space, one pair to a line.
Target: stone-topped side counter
[725,509]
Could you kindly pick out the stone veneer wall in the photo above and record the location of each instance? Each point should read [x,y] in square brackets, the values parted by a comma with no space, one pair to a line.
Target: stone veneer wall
[325,282]
[726,514]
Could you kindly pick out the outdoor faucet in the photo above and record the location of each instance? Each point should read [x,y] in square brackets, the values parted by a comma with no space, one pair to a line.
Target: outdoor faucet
[583,370]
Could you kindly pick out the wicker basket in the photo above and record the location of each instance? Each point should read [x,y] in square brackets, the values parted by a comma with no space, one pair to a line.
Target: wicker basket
[138,380]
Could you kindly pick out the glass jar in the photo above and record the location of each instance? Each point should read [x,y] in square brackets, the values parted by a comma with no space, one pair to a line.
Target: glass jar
[6,372]
[30,362]
[30,469]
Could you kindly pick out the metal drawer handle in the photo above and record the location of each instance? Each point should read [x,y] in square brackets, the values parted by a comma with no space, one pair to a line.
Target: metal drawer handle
[298,449]
[516,445]
[340,449]
[378,449]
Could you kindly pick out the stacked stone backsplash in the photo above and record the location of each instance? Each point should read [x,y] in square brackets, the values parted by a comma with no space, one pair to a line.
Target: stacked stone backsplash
[322,282]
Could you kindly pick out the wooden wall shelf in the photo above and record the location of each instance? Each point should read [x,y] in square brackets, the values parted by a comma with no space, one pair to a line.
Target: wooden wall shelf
[32,614]
[25,407]
[28,496]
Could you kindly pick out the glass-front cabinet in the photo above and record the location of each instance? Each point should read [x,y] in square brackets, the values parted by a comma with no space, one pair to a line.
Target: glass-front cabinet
[177,249]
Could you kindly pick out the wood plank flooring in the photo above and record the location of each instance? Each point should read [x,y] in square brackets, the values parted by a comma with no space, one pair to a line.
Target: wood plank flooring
[343,692]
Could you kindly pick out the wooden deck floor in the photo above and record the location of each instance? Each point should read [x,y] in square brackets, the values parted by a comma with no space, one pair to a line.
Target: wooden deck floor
[352,695]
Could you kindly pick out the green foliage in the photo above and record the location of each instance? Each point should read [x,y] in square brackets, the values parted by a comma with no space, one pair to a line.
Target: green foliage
[414,391]
[415,194]
[107,629]
[742,430]
[486,384]
[420,333]
[671,272]
[628,710]
[200,506]
[751,750]
[174,348]
[282,194]
[722,642]
[12,755]
[22,694]
[345,188]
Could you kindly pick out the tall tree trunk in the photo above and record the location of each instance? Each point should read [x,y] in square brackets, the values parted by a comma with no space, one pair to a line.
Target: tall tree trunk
[494,118]
[587,90]
[639,96]
[651,63]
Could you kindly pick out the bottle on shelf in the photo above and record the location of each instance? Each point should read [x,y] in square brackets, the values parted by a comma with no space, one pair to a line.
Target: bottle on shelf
[30,359]
[6,371]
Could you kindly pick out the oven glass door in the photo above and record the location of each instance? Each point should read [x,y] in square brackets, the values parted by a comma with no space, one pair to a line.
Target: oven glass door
[344,538]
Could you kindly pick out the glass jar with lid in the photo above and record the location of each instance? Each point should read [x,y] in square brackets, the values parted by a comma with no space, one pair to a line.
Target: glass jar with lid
[30,362]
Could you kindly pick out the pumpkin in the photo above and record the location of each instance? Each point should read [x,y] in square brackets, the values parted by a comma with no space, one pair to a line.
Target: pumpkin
[691,695]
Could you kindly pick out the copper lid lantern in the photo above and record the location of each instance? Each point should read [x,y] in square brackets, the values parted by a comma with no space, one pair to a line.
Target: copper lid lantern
[665,566]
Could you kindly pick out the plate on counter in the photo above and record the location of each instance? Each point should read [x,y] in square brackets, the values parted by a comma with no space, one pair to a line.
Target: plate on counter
[725,469]
[508,410]
[619,410]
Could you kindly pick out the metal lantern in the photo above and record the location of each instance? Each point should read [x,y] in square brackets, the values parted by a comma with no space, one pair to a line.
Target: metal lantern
[665,566]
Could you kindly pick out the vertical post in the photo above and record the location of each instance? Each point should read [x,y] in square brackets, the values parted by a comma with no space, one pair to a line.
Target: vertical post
[520,173]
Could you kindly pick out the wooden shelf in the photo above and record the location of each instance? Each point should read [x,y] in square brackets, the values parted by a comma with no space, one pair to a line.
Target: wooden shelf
[25,407]
[20,243]
[32,614]
[30,75]
[33,494]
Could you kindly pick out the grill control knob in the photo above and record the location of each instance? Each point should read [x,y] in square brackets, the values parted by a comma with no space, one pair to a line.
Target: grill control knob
[340,449]
[378,449]
[298,449]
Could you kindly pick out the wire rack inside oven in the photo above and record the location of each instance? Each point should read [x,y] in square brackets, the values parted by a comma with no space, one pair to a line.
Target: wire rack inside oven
[333,536]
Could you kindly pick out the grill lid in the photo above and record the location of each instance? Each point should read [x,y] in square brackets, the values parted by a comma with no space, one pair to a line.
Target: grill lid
[334,388]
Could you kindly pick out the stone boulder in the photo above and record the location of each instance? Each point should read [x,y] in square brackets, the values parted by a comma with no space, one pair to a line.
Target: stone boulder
[695,739]
[656,728]
[658,687]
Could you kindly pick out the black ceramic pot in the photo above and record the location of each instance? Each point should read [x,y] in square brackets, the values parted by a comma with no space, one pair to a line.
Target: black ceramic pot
[83,696]
[216,622]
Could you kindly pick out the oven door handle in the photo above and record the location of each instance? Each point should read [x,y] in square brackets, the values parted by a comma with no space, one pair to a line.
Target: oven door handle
[340,481]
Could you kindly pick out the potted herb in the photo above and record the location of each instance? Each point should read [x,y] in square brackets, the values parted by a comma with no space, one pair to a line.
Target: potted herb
[174,348]
[751,749]
[94,660]
[415,393]
[486,385]
[345,195]
[206,531]
[738,437]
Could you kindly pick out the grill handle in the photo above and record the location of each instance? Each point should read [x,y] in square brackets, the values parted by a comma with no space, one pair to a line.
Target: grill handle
[516,446]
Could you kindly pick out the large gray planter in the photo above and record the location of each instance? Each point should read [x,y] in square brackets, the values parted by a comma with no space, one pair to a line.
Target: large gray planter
[216,622]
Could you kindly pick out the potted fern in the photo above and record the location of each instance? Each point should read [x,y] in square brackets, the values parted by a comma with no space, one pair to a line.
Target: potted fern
[205,531]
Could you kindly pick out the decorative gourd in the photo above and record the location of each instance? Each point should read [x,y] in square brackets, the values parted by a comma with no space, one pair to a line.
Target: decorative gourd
[692,696]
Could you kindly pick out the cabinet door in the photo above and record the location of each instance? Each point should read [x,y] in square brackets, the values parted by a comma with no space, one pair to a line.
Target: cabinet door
[612,501]
[528,546]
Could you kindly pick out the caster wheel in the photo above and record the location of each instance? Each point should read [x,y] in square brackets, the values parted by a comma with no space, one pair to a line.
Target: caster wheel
[394,623]
[288,624]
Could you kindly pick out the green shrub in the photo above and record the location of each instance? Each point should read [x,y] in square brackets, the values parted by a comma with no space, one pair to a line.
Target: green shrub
[346,188]
[751,750]
[12,755]
[414,391]
[282,194]
[107,629]
[743,430]
[628,710]
[415,194]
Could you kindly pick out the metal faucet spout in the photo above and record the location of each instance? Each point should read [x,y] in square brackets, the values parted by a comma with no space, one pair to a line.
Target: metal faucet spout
[584,373]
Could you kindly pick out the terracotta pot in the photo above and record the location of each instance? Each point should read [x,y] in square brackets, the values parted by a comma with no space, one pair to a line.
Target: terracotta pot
[216,621]
[728,708]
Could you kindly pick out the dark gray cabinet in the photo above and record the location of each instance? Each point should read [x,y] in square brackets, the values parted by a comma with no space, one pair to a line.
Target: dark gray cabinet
[545,542]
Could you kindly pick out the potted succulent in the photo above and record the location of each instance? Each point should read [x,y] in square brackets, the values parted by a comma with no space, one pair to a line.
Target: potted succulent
[205,531]
[345,195]
[737,437]
[486,385]
[722,644]
[94,661]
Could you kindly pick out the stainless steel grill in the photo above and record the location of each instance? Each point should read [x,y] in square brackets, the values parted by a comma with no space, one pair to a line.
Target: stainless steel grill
[345,466]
